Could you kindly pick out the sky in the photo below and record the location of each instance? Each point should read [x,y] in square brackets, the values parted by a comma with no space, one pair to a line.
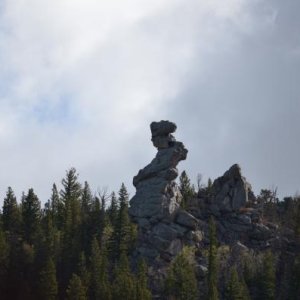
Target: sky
[81,81]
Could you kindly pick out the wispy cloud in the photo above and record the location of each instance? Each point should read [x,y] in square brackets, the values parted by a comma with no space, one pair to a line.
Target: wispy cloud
[81,80]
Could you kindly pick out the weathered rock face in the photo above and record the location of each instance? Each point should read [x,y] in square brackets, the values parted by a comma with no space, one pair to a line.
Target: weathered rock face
[163,226]
[157,194]
[231,191]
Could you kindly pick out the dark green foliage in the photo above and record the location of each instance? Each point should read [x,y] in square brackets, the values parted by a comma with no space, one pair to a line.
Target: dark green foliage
[142,291]
[4,260]
[186,189]
[297,218]
[57,208]
[236,288]
[4,251]
[71,237]
[76,290]
[47,281]
[83,272]
[75,248]
[267,280]
[181,281]
[294,290]
[11,215]
[87,221]
[124,283]
[31,215]
[113,209]
[100,286]
[212,278]
[124,232]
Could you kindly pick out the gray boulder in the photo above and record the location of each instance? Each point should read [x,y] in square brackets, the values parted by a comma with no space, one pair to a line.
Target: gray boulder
[186,219]
[231,191]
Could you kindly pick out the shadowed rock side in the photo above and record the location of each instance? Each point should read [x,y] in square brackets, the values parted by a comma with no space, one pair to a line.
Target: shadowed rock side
[231,191]
[163,226]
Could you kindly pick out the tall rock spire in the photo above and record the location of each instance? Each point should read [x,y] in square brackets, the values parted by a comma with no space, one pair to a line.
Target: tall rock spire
[157,195]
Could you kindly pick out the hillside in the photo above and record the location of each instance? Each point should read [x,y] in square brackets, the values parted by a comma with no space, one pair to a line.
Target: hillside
[169,241]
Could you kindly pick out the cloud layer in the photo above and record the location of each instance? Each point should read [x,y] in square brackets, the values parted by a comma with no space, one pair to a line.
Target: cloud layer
[81,80]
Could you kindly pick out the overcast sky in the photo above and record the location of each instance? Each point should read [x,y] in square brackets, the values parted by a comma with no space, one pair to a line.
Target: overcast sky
[81,80]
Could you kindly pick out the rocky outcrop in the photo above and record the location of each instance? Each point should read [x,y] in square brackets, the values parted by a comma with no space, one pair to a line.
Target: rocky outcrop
[163,226]
[231,191]
[157,195]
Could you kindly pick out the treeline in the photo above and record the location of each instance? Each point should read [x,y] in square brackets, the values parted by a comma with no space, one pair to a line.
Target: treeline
[81,246]
[75,247]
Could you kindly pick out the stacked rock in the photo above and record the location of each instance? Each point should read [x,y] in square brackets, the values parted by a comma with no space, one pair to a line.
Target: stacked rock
[163,226]
[157,194]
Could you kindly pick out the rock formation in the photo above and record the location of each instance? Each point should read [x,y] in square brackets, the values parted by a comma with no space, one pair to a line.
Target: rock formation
[163,226]
[157,194]
[231,191]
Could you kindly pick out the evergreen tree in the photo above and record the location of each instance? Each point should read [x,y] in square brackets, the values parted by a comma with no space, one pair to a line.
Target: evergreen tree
[267,291]
[48,283]
[113,209]
[11,216]
[31,214]
[86,217]
[71,194]
[297,218]
[181,282]
[124,232]
[86,199]
[76,290]
[83,272]
[4,251]
[294,290]
[236,288]
[186,189]
[57,208]
[142,291]
[124,283]
[212,263]
[100,287]
[4,261]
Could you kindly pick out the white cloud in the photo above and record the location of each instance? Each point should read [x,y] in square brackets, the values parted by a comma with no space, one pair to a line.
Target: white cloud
[81,80]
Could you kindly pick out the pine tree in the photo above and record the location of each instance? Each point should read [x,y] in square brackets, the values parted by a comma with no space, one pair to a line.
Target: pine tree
[76,290]
[57,208]
[267,291]
[83,272]
[142,291]
[236,288]
[48,283]
[124,232]
[113,209]
[71,194]
[297,218]
[294,290]
[124,283]
[4,261]
[212,263]
[11,215]
[181,282]
[31,214]
[86,199]
[100,287]
[186,189]
[87,222]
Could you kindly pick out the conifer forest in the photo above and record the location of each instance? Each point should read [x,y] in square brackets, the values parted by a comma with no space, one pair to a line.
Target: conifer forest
[83,245]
